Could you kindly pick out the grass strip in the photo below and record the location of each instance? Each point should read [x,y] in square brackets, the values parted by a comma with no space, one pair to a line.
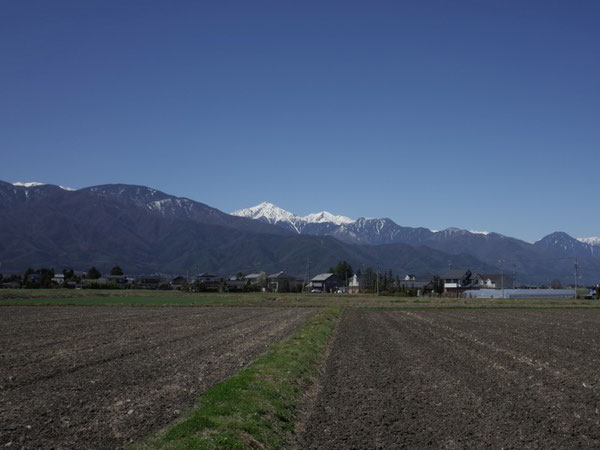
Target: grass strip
[255,408]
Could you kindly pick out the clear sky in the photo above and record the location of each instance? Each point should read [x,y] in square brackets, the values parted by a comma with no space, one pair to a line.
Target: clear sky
[479,114]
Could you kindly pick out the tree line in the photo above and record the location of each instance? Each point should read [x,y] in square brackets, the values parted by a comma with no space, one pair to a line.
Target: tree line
[386,282]
[42,277]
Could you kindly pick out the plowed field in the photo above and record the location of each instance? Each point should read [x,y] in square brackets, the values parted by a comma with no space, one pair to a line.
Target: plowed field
[460,379]
[100,377]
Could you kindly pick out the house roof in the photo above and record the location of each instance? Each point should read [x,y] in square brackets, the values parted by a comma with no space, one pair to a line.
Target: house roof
[282,275]
[251,276]
[453,274]
[322,277]
[179,278]
[206,275]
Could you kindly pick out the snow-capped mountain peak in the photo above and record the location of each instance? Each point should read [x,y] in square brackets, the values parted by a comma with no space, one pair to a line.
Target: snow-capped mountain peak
[28,184]
[590,240]
[267,211]
[325,216]
[273,214]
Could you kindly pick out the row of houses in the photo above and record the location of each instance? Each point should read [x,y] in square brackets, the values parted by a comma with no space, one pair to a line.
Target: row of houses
[260,281]
[257,281]
[454,282]
[143,281]
[280,282]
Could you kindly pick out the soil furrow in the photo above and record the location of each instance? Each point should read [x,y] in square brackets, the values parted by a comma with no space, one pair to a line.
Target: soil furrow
[456,379]
[108,404]
[56,367]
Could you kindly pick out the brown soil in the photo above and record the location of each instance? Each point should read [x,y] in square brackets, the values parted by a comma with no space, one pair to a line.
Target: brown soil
[460,379]
[100,377]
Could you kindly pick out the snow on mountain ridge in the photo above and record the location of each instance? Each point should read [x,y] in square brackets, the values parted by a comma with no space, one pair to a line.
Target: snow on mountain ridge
[274,214]
[379,230]
[28,184]
[325,216]
[590,240]
[265,210]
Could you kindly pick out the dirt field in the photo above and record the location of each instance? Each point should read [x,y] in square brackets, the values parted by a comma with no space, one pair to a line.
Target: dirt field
[459,379]
[100,377]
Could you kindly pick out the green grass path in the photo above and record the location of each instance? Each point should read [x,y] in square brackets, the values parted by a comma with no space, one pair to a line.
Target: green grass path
[256,408]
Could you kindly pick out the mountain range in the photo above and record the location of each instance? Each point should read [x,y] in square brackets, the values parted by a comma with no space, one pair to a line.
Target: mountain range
[145,230]
[379,231]
[552,256]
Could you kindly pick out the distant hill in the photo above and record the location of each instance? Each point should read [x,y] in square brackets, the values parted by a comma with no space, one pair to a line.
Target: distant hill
[145,230]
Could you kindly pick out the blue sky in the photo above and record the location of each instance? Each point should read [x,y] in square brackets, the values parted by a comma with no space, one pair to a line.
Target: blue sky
[482,115]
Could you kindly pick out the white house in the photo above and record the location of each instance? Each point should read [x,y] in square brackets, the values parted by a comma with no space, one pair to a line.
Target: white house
[58,278]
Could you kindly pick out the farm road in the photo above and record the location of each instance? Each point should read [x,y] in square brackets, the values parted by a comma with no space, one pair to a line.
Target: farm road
[460,379]
[100,377]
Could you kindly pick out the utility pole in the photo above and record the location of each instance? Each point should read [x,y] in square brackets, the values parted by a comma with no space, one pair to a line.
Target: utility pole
[502,274]
[377,281]
[306,275]
[576,276]
[514,276]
